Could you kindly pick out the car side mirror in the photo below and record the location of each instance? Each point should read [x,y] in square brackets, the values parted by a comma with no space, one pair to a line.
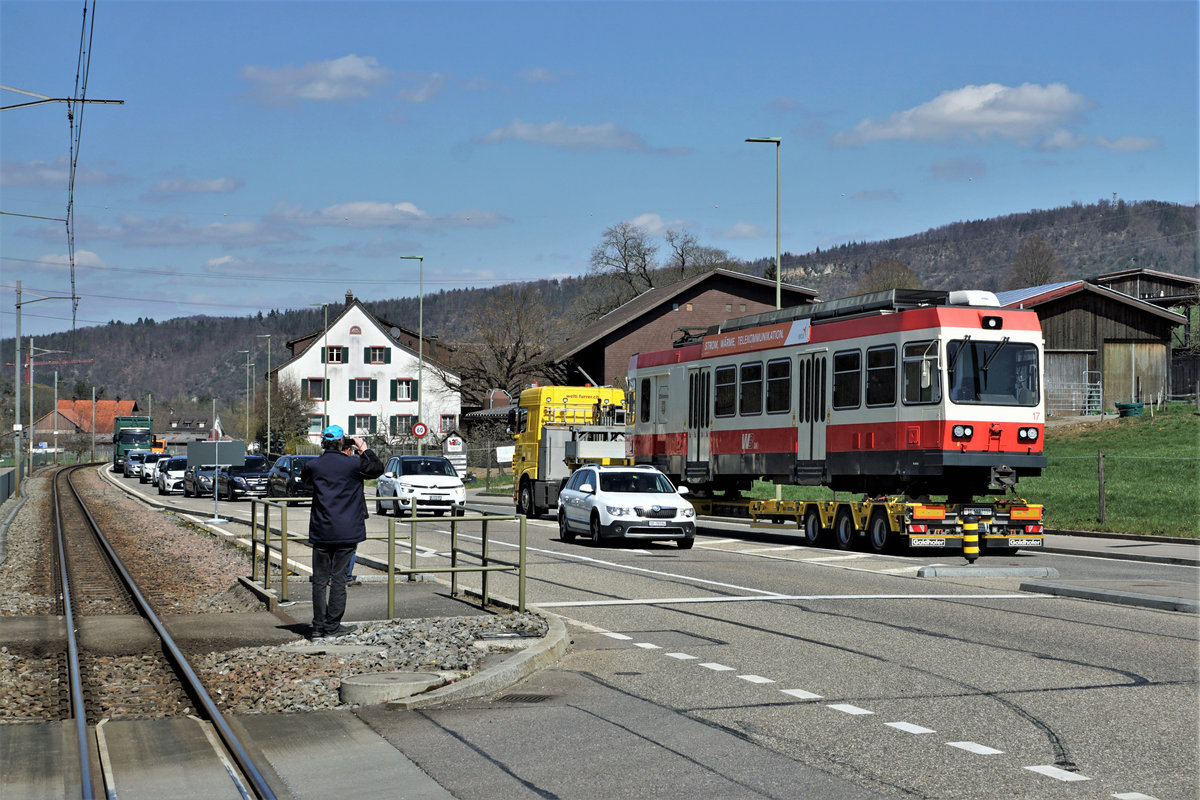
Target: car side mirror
[587,488]
[683,490]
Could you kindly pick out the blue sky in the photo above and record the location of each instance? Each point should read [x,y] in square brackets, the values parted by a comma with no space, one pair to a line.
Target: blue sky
[273,154]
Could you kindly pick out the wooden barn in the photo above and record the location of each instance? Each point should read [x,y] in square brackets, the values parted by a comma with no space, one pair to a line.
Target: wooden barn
[1102,346]
[599,354]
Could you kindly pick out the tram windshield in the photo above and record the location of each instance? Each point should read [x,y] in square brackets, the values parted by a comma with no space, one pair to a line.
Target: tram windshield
[993,373]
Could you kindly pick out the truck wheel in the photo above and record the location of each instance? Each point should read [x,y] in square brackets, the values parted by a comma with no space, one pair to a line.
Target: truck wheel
[525,501]
[843,529]
[812,528]
[879,534]
[565,533]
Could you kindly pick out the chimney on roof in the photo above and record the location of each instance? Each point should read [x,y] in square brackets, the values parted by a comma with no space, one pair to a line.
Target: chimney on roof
[349,298]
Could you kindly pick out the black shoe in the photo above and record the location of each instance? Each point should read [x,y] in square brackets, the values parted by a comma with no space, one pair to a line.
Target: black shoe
[341,630]
[315,633]
[353,582]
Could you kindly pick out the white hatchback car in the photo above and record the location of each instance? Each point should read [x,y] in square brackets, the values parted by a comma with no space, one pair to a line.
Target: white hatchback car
[429,482]
[632,502]
[170,474]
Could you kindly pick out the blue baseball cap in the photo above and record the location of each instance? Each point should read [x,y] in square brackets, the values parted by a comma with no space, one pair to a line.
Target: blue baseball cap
[333,433]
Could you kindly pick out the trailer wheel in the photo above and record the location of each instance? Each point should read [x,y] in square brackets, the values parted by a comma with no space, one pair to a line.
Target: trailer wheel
[880,535]
[813,534]
[843,529]
[564,530]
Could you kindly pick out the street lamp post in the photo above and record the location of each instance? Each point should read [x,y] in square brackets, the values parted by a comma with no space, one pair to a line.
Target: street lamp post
[246,428]
[420,340]
[776,140]
[325,364]
[267,336]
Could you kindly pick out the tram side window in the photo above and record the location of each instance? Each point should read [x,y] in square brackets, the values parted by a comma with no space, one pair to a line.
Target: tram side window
[751,401]
[725,384]
[779,386]
[847,379]
[881,376]
[644,397]
[662,399]
[922,379]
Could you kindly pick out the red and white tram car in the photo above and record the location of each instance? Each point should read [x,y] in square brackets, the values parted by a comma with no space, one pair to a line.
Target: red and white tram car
[904,392]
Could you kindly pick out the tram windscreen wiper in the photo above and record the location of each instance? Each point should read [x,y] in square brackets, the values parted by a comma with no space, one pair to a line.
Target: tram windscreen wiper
[995,353]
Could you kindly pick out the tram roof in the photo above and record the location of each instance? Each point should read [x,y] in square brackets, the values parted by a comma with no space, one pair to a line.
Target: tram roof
[873,303]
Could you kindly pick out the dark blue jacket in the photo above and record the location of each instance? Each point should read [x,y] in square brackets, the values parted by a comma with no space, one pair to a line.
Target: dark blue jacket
[339,507]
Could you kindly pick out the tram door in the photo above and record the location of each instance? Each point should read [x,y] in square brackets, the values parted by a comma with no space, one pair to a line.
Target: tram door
[699,417]
[812,372]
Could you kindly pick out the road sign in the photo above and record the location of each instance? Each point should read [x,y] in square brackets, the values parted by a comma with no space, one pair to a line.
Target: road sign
[420,429]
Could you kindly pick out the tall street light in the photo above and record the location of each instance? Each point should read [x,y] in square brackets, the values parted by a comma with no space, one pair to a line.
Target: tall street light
[325,364]
[246,429]
[267,336]
[420,340]
[776,140]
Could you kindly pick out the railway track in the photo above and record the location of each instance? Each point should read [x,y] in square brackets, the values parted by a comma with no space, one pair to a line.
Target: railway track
[135,713]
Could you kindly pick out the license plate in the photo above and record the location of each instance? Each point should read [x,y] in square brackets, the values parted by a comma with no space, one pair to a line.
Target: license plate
[656,523]
[913,542]
[977,512]
[1024,542]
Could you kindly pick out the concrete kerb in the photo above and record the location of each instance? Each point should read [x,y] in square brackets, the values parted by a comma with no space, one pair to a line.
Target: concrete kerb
[987,572]
[1113,595]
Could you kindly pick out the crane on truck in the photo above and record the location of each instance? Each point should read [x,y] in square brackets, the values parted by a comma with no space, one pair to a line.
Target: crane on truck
[559,428]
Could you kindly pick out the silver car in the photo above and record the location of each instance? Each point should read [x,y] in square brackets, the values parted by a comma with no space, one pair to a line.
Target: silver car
[632,502]
[428,483]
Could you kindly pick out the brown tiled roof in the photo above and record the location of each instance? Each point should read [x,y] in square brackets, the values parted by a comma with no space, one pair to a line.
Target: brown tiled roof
[106,410]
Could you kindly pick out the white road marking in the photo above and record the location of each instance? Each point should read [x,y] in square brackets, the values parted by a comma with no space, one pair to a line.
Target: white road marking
[908,727]
[846,708]
[755,679]
[852,557]
[716,667]
[1058,774]
[680,656]
[1133,796]
[800,694]
[647,646]
[975,747]
[770,549]
[778,597]
[620,636]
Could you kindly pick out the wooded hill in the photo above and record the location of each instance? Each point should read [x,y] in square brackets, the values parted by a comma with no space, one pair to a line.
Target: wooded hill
[189,360]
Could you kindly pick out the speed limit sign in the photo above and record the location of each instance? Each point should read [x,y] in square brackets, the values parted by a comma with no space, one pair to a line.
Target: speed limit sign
[420,429]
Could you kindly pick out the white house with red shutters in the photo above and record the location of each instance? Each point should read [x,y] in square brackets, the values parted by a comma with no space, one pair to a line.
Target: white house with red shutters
[371,377]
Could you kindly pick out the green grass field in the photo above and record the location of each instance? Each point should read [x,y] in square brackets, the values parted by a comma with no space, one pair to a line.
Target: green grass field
[1151,473]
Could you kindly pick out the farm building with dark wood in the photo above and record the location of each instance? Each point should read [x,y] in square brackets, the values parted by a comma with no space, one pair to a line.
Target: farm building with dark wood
[599,354]
[1102,346]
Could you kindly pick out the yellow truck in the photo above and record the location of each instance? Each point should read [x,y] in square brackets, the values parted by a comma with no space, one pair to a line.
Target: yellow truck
[556,429]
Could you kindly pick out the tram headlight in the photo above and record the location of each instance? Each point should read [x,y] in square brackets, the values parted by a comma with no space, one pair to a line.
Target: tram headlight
[1027,434]
[963,431]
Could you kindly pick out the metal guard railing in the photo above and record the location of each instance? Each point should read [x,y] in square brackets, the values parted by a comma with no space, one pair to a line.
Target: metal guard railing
[487,563]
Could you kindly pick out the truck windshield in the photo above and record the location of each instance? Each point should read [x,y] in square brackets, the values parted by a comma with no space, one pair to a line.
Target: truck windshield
[135,438]
[993,373]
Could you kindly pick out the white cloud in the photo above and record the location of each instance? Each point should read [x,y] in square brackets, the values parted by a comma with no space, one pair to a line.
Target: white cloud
[174,186]
[537,75]
[606,136]
[137,231]
[342,79]
[51,174]
[371,214]
[427,87]
[742,230]
[83,258]
[1129,144]
[654,224]
[978,113]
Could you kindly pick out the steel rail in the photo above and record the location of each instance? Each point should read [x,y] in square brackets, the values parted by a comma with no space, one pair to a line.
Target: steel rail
[73,669]
[191,681]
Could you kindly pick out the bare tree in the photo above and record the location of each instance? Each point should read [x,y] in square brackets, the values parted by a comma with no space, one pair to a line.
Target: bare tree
[1034,264]
[688,257]
[290,411]
[506,348]
[627,254]
[889,273]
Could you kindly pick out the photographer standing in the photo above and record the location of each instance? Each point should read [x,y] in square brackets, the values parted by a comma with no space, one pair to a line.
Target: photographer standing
[337,522]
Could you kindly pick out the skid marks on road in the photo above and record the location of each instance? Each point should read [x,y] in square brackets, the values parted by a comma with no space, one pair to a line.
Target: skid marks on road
[806,697]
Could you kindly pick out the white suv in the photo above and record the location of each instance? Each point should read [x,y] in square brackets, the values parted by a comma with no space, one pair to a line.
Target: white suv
[632,502]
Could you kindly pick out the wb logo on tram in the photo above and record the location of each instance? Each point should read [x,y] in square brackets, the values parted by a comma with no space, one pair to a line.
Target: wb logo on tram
[748,442]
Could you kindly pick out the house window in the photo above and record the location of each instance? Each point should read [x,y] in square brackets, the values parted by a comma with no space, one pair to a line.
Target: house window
[743,305]
[314,424]
[377,355]
[674,306]
[404,390]
[689,306]
[729,308]
[362,389]
[362,424]
[402,424]
[335,355]
[315,389]
[355,330]
[447,423]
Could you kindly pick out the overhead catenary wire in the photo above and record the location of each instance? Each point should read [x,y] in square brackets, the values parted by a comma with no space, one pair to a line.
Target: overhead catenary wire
[75,124]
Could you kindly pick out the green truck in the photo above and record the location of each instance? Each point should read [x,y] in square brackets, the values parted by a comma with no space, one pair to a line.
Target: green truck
[131,433]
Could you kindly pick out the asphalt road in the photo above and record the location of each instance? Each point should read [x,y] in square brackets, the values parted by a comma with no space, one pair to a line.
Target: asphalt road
[752,667]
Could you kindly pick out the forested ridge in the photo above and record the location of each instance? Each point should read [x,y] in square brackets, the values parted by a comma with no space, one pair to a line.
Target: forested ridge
[190,360]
